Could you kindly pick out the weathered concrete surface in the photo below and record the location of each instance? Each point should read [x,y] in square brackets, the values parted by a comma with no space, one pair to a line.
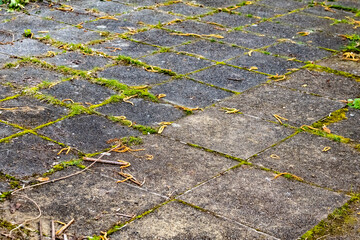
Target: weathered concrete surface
[279,207]
[219,164]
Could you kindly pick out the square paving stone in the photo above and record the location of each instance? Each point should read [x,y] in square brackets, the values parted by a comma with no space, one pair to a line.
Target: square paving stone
[78,60]
[324,39]
[302,52]
[30,112]
[27,48]
[265,63]
[196,27]
[260,10]
[178,63]
[230,20]
[161,38]
[217,3]
[124,47]
[142,112]
[184,9]
[231,78]
[289,5]
[283,208]
[133,76]
[94,200]
[303,155]
[27,75]
[175,167]
[6,130]
[299,108]
[350,127]
[321,11]
[35,24]
[323,83]
[338,63]
[75,35]
[211,50]
[88,133]
[248,40]
[69,17]
[6,91]
[305,21]
[111,25]
[274,29]
[190,93]
[29,154]
[108,7]
[168,222]
[237,135]
[148,16]
[346,3]
[80,91]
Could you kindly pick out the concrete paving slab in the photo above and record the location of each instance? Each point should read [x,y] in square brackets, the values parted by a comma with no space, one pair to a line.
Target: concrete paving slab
[299,108]
[28,154]
[28,75]
[347,3]
[211,50]
[305,21]
[274,29]
[108,7]
[189,93]
[6,130]
[302,52]
[140,3]
[237,135]
[323,83]
[217,4]
[91,203]
[75,35]
[283,208]
[175,166]
[284,4]
[230,20]
[178,63]
[148,16]
[111,25]
[324,39]
[30,112]
[68,17]
[5,58]
[184,9]
[189,26]
[304,156]
[6,91]
[88,133]
[35,24]
[259,10]
[78,60]
[248,40]
[132,76]
[27,48]
[168,222]
[321,11]
[80,91]
[338,63]
[231,78]
[265,63]
[124,47]
[348,128]
[161,38]
[142,112]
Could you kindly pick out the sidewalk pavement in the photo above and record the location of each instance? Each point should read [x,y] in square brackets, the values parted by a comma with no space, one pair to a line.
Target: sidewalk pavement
[206,119]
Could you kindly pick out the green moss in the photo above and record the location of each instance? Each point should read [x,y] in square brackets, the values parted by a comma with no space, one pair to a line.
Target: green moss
[145,129]
[337,223]
[129,141]
[334,117]
[63,165]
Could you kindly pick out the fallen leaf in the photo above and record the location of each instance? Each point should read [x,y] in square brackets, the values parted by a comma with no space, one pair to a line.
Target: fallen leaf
[303,33]
[274,156]
[161,129]
[161,95]
[325,149]
[230,110]
[253,68]
[43,179]
[326,129]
